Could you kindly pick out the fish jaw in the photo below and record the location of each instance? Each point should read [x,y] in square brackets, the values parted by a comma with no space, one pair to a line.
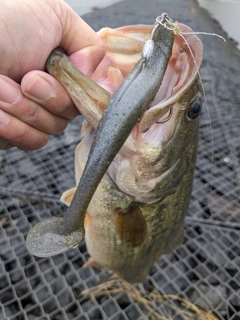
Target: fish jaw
[151,176]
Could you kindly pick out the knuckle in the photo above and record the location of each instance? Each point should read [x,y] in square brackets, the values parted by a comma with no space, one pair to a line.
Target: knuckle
[60,126]
[33,144]
[33,113]
[22,136]
[38,144]
[30,139]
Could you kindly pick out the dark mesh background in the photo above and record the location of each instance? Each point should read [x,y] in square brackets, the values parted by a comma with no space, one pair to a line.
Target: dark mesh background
[205,269]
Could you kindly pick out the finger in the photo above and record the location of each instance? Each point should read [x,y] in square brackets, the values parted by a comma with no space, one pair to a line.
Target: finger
[49,93]
[13,102]
[14,132]
[80,39]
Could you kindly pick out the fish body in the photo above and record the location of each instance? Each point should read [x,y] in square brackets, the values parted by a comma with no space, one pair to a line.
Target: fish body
[137,211]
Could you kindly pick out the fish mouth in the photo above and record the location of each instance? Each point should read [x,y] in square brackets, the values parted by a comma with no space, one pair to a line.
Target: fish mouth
[181,72]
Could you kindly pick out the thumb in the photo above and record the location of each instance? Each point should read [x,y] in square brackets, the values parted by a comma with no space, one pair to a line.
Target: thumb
[80,41]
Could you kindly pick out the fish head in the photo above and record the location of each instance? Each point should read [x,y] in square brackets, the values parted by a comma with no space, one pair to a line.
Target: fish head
[169,126]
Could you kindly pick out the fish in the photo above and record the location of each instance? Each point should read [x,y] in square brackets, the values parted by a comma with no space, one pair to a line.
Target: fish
[135,200]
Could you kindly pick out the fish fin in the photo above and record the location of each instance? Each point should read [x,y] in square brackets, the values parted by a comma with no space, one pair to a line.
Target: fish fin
[91,263]
[175,239]
[67,196]
[131,225]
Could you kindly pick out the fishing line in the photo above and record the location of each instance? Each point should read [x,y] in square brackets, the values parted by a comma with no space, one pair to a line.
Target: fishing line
[203,91]
[206,34]
[177,30]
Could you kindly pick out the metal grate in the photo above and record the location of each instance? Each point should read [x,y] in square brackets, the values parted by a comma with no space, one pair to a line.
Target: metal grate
[204,270]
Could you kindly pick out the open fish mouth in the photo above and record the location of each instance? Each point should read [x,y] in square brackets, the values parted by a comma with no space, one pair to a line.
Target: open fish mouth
[177,102]
[181,72]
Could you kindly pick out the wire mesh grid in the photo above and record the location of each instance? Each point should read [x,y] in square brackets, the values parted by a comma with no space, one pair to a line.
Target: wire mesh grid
[204,270]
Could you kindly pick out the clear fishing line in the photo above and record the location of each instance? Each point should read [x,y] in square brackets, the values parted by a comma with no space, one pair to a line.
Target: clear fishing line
[177,30]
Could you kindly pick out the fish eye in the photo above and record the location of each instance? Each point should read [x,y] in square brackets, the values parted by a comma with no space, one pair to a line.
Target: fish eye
[194,110]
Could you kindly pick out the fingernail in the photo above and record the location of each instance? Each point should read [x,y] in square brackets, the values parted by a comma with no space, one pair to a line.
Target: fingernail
[4,118]
[8,92]
[40,89]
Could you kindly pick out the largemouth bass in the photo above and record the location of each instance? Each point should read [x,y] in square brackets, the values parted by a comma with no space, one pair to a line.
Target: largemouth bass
[143,184]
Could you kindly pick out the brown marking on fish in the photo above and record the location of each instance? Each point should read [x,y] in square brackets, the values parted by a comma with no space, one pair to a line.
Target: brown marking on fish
[131,225]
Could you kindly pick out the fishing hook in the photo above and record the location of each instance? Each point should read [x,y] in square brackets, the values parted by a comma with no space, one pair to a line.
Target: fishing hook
[166,22]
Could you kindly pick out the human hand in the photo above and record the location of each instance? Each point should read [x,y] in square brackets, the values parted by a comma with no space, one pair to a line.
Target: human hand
[39,106]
